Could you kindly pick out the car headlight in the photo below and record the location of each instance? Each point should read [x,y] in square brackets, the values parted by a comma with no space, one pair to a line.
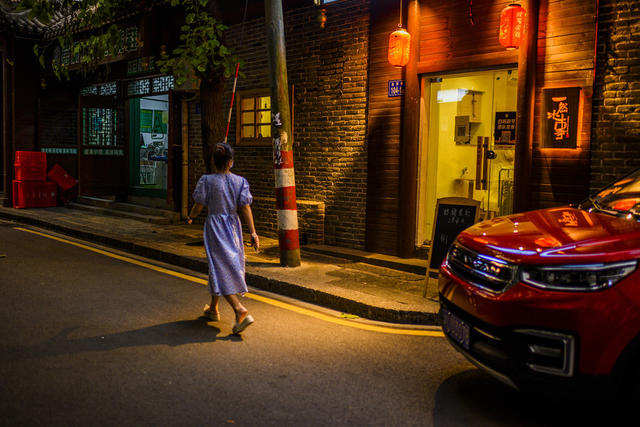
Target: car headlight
[582,277]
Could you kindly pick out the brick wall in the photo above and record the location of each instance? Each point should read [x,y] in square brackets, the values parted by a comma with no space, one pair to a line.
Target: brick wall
[58,127]
[196,162]
[328,69]
[615,146]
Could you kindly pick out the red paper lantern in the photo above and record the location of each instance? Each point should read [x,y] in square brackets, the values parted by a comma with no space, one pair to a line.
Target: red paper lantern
[399,44]
[512,26]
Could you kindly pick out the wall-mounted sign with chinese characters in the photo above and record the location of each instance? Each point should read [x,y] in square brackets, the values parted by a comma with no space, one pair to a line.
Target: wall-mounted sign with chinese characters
[505,128]
[560,107]
[396,88]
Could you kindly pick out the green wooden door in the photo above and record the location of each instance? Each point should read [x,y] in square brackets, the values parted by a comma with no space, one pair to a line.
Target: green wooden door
[148,136]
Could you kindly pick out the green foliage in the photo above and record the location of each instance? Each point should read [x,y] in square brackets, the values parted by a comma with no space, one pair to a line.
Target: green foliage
[91,34]
[200,52]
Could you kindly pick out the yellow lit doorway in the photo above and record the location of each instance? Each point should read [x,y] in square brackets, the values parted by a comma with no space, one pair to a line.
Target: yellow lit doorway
[467,142]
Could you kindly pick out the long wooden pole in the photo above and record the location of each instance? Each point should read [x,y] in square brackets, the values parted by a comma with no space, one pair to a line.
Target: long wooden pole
[409,143]
[527,60]
[281,134]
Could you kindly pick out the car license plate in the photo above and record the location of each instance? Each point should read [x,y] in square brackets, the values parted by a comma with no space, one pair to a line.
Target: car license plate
[455,328]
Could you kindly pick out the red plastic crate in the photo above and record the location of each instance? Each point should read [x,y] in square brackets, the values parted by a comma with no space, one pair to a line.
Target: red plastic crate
[60,176]
[34,194]
[31,166]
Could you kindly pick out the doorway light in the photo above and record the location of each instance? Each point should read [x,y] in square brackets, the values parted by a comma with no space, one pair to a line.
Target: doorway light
[451,95]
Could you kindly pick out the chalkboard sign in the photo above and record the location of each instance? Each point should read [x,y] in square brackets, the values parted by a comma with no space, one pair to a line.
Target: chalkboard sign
[452,215]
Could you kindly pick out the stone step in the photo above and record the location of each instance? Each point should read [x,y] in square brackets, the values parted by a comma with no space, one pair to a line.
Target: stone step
[120,213]
[173,217]
[131,210]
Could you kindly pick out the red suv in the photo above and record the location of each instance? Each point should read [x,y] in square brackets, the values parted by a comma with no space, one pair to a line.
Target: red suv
[551,296]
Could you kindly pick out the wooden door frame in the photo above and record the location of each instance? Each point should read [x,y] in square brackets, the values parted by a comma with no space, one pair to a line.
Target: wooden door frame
[118,189]
[158,193]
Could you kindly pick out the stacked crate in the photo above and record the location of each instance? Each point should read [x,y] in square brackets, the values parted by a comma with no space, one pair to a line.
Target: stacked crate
[67,184]
[30,188]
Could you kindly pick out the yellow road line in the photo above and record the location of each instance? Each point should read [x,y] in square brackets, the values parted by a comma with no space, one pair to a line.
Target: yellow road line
[266,300]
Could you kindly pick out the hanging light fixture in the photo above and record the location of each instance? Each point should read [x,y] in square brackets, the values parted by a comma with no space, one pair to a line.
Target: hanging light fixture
[399,45]
[322,16]
[512,26]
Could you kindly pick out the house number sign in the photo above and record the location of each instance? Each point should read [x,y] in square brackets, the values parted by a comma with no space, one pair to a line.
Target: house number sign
[396,88]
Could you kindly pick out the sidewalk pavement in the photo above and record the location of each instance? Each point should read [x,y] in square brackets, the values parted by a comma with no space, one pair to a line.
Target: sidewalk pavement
[368,285]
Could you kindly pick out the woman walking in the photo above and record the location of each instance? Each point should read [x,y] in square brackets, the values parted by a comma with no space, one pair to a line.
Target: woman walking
[225,194]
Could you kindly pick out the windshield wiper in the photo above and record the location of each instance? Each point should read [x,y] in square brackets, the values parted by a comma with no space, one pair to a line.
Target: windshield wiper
[599,208]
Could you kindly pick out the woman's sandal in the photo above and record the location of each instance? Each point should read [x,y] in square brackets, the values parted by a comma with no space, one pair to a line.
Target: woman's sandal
[210,314]
[239,327]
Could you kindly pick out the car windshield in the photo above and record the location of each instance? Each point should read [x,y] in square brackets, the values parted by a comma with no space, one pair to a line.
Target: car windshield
[620,198]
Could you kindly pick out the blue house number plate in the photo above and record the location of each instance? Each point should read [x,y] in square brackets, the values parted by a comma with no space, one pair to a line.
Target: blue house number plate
[396,88]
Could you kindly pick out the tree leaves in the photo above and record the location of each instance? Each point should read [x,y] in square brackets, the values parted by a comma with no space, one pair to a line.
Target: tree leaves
[200,48]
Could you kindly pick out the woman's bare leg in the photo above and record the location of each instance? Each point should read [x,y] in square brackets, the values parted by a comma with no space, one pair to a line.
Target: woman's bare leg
[214,303]
[238,308]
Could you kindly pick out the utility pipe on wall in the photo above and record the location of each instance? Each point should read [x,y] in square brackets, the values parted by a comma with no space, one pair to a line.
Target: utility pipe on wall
[184,205]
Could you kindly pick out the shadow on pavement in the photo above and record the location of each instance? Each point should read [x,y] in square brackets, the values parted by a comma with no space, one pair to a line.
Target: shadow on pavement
[171,334]
[474,398]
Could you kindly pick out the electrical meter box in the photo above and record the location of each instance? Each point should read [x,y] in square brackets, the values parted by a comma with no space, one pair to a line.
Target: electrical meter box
[470,105]
[462,130]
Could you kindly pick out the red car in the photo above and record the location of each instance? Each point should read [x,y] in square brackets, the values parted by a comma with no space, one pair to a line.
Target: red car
[551,296]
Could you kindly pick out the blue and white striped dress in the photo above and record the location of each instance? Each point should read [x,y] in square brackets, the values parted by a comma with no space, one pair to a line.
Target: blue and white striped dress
[222,194]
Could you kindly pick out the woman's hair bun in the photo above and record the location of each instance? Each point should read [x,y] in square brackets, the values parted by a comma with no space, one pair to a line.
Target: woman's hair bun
[222,154]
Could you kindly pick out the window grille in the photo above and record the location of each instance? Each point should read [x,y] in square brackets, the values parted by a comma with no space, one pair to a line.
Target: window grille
[131,39]
[99,126]
[104,89]
[65,56]
[89,90]
[108,89]
[134,66]
[163,84]
[138,87]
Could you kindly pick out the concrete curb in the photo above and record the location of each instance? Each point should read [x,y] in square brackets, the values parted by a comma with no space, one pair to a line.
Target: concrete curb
[298,292]
[342,304]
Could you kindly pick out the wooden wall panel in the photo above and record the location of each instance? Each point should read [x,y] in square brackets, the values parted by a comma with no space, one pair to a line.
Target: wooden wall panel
[447,41]
[383,134]
[566,43]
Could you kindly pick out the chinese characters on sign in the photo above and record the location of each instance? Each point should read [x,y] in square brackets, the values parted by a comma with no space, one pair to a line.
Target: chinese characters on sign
[456,215]
[396,88]
[560,117]
[452,215]
[505,128]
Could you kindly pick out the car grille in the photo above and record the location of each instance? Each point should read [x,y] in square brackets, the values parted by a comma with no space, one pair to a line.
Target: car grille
[484,271]
[523,353]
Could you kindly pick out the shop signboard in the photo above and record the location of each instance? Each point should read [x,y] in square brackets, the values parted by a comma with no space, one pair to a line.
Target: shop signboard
[560,108]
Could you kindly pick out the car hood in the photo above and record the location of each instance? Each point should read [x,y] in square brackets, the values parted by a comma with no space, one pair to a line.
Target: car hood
[555,236]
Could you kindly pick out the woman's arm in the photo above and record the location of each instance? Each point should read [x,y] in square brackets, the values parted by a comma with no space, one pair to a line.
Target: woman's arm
[195,211]
[248,217]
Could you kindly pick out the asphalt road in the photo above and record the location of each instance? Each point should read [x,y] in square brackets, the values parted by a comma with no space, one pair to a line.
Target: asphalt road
[89,339]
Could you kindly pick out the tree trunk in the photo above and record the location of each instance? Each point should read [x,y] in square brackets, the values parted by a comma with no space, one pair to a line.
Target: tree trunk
[212,117]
